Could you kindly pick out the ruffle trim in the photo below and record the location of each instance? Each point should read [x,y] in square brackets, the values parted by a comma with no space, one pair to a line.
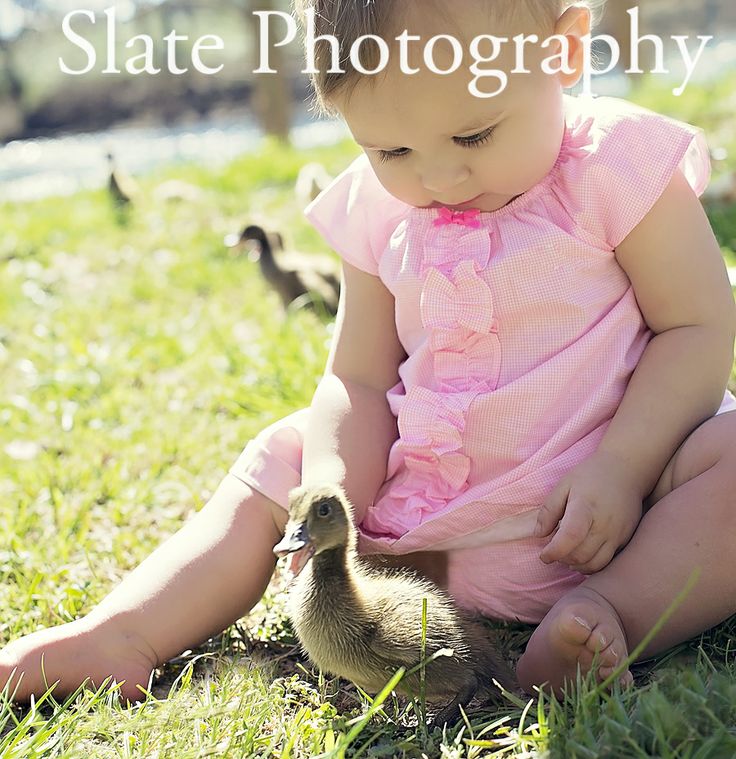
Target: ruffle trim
[456,307]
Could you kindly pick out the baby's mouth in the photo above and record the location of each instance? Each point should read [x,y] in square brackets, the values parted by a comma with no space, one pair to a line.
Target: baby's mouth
[436,204]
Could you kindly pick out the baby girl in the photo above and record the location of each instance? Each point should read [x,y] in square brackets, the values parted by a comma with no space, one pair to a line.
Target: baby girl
[525,396]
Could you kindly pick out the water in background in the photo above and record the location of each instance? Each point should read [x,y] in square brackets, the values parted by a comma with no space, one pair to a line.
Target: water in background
[62,165]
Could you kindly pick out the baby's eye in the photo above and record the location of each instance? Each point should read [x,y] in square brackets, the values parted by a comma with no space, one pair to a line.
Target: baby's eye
[388,155]
[477,139]
[474,141]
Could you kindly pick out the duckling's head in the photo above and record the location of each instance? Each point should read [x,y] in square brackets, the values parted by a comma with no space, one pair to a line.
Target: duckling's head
[320,519]
[254,232]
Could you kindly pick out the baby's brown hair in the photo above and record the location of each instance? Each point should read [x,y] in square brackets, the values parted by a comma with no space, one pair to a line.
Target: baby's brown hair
[347,20]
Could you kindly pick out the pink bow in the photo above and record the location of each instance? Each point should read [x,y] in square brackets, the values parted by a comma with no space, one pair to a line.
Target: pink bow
[467,302]
[467,218]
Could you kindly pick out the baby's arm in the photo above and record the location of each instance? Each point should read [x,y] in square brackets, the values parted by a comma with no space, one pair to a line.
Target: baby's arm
[351,427]
[680,281]
[679,278]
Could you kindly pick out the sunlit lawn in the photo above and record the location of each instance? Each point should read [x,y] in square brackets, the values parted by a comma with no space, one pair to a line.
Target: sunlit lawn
[136,361]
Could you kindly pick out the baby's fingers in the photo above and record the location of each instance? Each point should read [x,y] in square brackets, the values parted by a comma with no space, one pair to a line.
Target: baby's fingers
[551,511]
[574,528]
[601,559]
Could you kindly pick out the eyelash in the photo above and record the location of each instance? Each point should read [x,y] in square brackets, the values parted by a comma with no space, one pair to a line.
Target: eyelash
[474,141]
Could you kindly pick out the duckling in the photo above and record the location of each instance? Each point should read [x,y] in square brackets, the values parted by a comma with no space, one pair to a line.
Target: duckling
[363,623]
[308,280]
[121,187]
[312,179]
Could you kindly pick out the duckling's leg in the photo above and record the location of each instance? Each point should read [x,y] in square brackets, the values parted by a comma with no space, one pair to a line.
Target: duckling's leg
[451,713]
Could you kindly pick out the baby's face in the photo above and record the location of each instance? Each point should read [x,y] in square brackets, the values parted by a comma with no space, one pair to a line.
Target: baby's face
[431,142]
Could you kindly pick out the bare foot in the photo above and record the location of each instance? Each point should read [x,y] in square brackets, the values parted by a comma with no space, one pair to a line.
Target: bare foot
[71,652]
[579,624]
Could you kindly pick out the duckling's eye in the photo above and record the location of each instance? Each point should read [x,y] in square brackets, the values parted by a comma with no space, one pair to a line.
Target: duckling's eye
[324,509]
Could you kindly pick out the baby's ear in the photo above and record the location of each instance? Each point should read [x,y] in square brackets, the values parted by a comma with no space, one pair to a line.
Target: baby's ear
[573,24]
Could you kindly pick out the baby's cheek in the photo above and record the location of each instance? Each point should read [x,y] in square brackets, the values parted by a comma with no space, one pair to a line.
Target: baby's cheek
[401,183]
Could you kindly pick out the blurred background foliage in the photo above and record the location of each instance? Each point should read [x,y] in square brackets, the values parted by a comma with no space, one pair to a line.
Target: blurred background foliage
[36,98]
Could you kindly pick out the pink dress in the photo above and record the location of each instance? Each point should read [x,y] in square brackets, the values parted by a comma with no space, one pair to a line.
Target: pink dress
[521,331]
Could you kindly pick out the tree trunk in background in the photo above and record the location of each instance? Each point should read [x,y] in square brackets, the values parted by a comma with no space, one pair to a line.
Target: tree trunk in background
[11,122]
[271,101]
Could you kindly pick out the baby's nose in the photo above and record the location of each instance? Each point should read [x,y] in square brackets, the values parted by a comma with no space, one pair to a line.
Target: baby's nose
[441,181]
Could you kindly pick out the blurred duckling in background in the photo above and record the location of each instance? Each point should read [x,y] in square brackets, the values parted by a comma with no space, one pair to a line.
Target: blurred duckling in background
[299,279]
[122,187]
[363,623]
[312,179]
[177,191]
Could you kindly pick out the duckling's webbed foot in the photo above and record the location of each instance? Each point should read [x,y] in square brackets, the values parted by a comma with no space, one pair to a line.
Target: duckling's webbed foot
[451,713]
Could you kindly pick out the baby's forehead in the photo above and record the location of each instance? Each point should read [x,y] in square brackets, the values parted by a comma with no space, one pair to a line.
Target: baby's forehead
[388,123]
[441,102]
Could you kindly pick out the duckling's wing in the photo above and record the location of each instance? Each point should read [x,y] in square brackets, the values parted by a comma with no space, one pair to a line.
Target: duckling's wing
[396,633]
[397,651]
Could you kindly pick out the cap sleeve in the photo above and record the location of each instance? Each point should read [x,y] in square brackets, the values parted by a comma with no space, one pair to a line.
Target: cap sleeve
[356,215]
[626,157]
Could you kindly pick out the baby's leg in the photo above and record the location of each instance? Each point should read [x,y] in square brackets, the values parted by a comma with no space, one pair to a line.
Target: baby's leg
[203,578]
[690,522]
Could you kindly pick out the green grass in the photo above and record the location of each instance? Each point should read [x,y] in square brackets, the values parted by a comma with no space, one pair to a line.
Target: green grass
[136,360]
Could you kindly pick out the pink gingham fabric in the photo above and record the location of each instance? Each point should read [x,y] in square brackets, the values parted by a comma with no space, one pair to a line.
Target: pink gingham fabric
[522,332]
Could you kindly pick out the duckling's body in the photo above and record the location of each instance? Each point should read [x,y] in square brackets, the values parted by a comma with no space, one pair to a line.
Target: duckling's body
[295,278]
[121,187]
[363,623]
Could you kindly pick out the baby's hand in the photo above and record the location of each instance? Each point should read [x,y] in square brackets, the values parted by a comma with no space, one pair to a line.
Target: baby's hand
[598,507]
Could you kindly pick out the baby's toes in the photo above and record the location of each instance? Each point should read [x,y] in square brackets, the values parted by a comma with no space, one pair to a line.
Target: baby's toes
[573,629]
[598,637]
[626,679]
[607,642]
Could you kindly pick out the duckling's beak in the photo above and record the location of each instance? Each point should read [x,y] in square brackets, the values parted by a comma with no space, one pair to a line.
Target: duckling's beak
[296,541]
